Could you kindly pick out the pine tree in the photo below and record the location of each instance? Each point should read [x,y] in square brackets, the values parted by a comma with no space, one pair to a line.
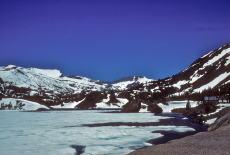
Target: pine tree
[188,105]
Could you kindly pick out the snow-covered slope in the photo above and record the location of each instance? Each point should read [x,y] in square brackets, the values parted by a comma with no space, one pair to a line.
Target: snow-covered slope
[53,80]
[129,82]
[176,104]
[38,79]
[209,71]
[27,105]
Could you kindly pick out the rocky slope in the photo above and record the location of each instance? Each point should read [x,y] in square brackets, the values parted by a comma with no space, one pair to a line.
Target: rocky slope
[204,143]
[210,71]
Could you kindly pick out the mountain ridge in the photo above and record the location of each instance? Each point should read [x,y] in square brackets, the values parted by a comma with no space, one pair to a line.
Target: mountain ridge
[15,74]
[51,87]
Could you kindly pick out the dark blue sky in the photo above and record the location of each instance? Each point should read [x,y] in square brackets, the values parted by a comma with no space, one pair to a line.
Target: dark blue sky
[111,39]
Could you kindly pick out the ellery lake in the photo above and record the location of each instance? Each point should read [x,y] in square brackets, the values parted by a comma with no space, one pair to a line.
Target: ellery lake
[91,132]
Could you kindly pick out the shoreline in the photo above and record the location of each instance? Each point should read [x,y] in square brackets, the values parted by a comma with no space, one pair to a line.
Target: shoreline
[169,135]
[210,142]
[215,141]
[177,119]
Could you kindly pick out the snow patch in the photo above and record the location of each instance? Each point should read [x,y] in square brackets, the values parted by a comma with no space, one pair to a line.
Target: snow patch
[104,104]
[228,61]
[179,83]
[29,105]
[210,121]
[144,108]
[69,104]
[47,72]
[206,54]
[222,106]
[216,58]
[176,104]
[9,66]
[123,100]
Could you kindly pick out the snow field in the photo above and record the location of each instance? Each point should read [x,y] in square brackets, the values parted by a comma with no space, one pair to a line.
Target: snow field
[69,104]
[176,104]
[29,105]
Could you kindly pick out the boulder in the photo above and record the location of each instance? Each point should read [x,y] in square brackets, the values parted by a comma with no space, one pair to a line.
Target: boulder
[190,112]
[132,106]
[42,109]
[154,108]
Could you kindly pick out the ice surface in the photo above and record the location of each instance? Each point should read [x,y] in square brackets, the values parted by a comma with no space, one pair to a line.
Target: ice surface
[53,132]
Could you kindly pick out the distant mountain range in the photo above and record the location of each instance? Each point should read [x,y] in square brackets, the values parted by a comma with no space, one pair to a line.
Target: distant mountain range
[46,79]
[51,87]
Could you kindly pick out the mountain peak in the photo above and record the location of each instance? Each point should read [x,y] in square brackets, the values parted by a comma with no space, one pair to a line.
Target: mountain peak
[53,73]
[9,67]
[129,78]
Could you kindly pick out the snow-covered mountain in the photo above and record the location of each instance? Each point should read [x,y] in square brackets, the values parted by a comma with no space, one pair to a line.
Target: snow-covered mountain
[53,80]
[52,88]
[209,71]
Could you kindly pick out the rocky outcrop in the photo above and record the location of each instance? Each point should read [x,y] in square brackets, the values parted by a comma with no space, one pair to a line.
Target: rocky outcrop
[112,99]
[154,108]
[220,122]
[200,109]
[90,100]
[132,106]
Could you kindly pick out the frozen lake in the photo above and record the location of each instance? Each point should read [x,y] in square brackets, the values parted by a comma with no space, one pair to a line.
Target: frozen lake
[54,132]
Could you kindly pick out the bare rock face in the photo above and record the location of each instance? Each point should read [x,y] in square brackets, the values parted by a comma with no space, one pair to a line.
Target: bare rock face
[112,99]
[90,100]
[154,108]
[132,106]
[220,122]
